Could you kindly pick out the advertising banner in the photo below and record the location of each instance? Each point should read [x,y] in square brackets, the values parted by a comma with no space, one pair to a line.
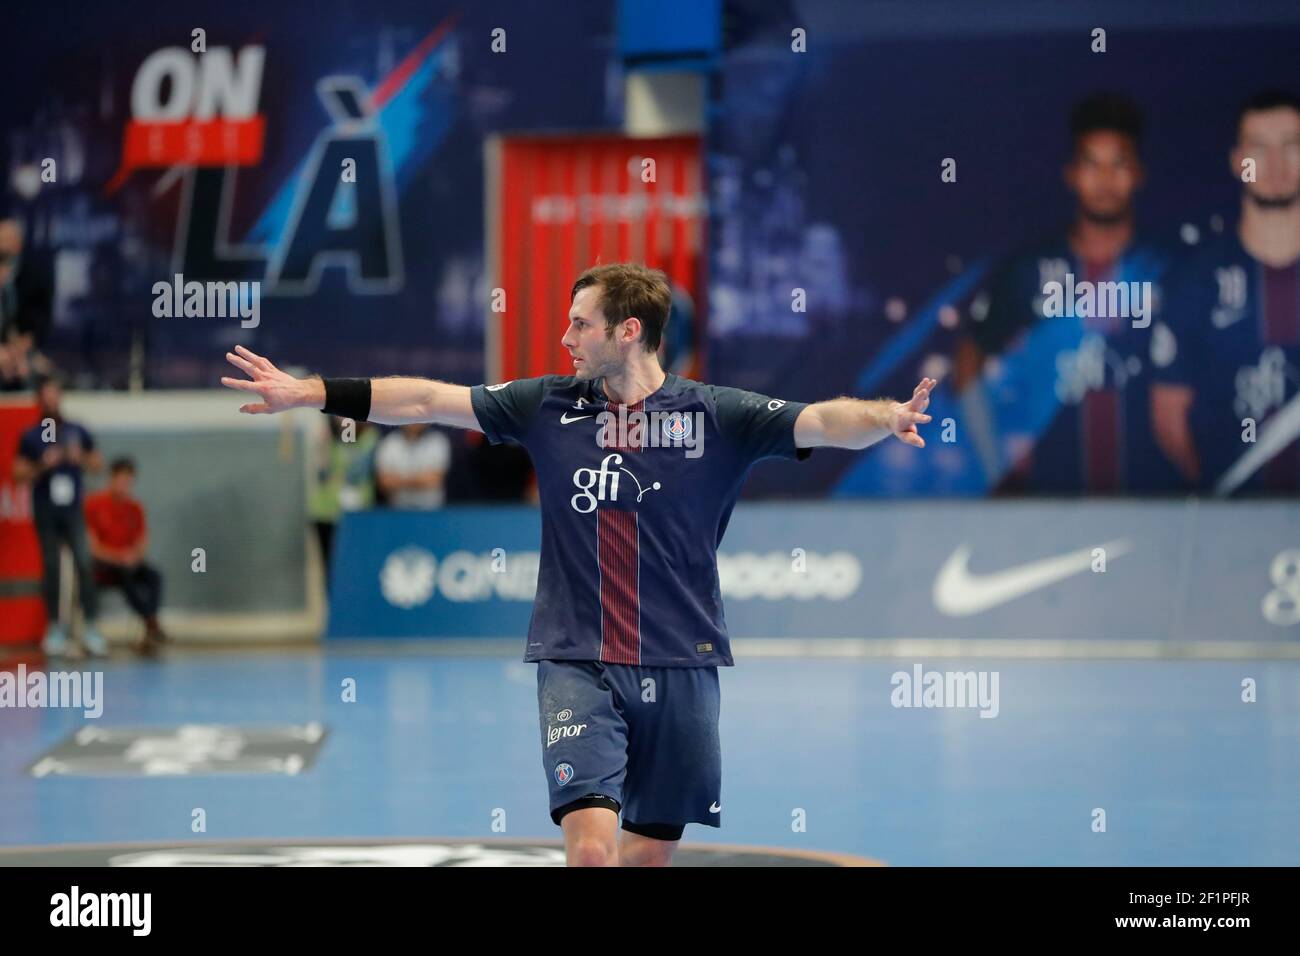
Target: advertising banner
[1167,573]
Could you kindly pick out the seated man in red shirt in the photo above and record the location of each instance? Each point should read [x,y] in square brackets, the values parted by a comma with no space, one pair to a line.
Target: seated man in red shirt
[118,539]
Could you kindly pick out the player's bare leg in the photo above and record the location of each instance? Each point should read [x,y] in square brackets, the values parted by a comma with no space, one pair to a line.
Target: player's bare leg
[637,850]
[590,837]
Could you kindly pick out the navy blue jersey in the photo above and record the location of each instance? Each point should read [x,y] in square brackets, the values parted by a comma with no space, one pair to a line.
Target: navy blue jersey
[1236,344]
[628,569]
[61,485]
[1098,437]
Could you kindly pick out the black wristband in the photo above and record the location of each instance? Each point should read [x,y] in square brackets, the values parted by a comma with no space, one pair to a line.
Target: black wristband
[347,398]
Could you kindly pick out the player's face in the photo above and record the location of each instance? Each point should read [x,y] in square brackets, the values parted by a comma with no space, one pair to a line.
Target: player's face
[595,353]
[1104,174]
[1272,139]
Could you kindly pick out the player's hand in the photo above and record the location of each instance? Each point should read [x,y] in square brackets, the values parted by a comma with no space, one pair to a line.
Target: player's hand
[278,390]
[51,457]
[905,416]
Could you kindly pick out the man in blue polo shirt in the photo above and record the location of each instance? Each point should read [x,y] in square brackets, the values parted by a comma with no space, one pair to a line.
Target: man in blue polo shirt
[638,471]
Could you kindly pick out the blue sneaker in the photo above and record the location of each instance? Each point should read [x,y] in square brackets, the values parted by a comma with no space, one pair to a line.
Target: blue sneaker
[55,643]
[94,642]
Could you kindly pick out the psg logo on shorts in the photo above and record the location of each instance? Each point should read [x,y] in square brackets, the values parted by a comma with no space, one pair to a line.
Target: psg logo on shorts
[677,427]
[563,774]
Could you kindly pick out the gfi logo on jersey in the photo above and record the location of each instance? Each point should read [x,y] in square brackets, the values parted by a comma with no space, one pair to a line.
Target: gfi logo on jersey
[605,482]
[1092,367]
[554,734]
[1262,388]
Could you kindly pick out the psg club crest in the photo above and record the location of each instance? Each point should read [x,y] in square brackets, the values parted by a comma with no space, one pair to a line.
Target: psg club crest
[563,774]
[677,427]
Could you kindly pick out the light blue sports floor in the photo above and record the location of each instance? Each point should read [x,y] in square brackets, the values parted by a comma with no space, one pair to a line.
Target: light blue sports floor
[1185,771]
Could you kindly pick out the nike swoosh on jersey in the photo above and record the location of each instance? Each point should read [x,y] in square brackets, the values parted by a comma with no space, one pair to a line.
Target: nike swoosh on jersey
[958,593]
[1276,434]
[565,419]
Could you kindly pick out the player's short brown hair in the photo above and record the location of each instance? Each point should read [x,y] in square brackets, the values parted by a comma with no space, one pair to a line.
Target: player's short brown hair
[630,289]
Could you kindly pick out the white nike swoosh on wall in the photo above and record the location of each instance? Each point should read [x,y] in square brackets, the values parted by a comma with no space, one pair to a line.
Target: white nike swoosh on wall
[958,593]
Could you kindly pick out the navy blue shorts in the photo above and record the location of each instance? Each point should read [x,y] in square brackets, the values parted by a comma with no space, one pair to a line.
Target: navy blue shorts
[643,737]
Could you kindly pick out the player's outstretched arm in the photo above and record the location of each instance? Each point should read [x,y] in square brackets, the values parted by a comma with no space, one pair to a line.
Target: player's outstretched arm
[393,401]
[855,423]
